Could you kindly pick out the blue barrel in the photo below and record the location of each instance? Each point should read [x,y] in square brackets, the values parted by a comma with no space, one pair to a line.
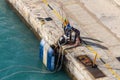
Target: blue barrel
[42,43]
[47,55]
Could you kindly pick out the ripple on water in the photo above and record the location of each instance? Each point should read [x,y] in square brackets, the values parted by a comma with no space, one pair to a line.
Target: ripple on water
[19,50]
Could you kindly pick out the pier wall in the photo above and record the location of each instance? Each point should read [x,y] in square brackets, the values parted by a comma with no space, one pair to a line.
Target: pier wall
[31,14]
[34,12]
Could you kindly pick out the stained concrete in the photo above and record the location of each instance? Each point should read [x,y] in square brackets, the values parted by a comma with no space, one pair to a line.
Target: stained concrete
[99,33]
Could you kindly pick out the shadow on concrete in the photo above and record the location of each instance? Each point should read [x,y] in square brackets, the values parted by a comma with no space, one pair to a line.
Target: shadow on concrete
[93,42]
[91,39]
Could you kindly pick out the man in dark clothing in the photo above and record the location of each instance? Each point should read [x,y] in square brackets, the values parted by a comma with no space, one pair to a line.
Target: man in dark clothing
[71,36]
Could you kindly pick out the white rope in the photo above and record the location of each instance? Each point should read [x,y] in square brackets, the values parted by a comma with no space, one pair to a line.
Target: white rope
[20,66]
[8,76]
[36,70]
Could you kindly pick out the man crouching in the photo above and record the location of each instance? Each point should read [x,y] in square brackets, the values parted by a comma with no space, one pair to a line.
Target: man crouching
[71,36]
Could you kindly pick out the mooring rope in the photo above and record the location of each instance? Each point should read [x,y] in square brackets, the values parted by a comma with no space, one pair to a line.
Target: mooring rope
[18,72]
[20,66]
[36,70]
[62,57]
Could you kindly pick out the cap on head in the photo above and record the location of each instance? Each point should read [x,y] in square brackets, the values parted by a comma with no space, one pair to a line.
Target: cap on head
[65,22]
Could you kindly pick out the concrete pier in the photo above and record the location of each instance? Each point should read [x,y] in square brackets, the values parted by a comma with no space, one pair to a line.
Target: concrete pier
[97,30]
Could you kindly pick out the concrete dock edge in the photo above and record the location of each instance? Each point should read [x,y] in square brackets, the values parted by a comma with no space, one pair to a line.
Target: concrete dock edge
[29,11]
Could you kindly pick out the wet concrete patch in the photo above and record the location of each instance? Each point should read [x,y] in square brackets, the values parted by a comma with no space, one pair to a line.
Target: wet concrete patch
[88,63]
[96,72]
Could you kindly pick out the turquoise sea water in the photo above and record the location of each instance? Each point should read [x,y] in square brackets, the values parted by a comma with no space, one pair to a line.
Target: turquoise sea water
[19,50]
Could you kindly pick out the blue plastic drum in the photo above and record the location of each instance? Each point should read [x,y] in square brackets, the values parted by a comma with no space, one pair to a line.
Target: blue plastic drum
[47,55]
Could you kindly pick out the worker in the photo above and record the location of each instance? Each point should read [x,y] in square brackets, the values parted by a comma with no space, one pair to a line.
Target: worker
[74,37]
[71,35]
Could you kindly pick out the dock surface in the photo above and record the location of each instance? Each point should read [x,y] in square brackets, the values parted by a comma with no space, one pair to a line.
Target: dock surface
[98,22]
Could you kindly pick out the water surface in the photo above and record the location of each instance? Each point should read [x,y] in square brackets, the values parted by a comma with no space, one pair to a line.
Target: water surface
[19,50]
